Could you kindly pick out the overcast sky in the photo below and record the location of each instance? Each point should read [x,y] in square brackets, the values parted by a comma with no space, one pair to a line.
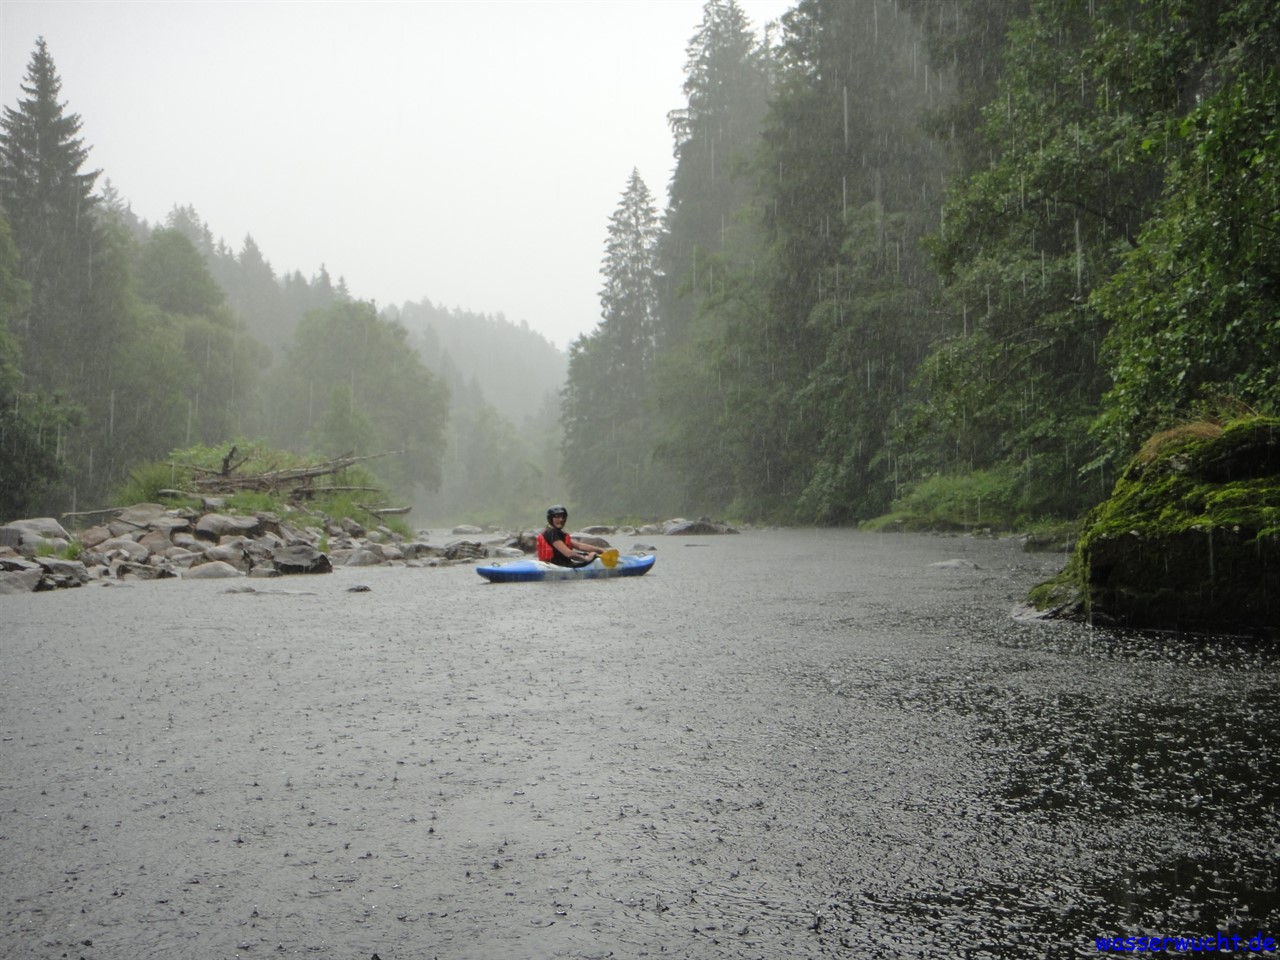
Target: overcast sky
[466,152]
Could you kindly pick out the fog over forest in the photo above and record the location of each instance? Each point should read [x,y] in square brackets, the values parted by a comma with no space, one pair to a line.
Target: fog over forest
[947,261]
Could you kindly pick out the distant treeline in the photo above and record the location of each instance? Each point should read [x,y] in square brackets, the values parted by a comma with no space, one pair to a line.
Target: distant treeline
[121,342]
[918,251]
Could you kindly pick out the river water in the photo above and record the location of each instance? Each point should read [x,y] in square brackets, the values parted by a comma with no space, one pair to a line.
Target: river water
[783,744]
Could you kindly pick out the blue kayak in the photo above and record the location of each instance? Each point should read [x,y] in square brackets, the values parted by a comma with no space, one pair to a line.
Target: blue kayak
[524,571]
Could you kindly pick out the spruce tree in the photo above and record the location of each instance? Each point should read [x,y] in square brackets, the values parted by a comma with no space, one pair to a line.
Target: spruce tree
[607,435]
[48,198]
[726,84]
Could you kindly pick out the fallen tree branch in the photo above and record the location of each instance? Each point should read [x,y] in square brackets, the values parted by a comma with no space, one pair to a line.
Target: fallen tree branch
[385,511]
[92,513]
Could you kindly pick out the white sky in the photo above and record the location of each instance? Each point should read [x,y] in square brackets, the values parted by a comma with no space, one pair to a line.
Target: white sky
[468,152]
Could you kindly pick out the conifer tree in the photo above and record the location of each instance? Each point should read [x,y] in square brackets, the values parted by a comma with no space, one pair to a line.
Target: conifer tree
[709,230]
[607,435]
[48,198]
[716,133]
[31,423]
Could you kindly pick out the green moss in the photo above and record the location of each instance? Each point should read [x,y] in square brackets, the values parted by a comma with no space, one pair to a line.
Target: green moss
[1064,594]
[1188,485]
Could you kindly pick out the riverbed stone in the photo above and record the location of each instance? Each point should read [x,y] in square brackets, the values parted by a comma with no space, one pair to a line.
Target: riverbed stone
[464,550]
[187,542]
[214,570]
[20,581]
[300,558]
[366,556]
[45,527]
[93,536]
[215,526]
[128,570]
[417,550]
[700,527]
[63,573]
[182,558]
[232,553]
[157,541]
[142,514]
[125,547]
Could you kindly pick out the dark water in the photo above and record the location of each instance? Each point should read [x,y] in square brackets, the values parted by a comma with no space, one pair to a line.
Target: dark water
[781,744]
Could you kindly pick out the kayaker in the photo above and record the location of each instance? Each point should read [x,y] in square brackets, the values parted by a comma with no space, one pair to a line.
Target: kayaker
[556,546]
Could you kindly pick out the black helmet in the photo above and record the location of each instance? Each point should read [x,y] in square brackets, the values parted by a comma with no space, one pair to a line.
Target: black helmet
[557,511]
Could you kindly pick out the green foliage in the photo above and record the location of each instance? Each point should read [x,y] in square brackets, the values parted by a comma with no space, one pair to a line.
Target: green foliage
[1194,307]
[354,505]
[1015,378]
[173,275]
[347,493]
[1107,253]
[342,429]
[254,501]
[72,551]
[32,423]
[256,455]
[146,480]
[351,384]
[780,342]
[961,501]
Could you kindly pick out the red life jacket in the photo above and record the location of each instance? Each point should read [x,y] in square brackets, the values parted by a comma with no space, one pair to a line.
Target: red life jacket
[547,553]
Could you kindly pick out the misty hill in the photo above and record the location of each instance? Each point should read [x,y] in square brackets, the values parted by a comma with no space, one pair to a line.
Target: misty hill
[512,366]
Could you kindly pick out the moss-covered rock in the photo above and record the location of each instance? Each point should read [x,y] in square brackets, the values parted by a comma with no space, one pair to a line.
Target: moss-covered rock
[1189,539]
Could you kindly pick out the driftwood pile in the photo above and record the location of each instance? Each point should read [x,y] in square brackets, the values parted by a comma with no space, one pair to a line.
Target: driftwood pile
[295,484]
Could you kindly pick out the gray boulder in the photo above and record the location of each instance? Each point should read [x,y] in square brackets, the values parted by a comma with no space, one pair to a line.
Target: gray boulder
[214,570]
[417,550]
[369,555]
[156,541]
[127,570]
[25,535]
[20,581]
[93,536]
[125,547]
[63,573]
[215,526]
[232,552]
[45,527]
[300,558]
[464,550]
[700,527]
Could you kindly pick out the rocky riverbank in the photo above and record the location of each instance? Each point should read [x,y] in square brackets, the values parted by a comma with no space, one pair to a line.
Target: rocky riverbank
[149,541]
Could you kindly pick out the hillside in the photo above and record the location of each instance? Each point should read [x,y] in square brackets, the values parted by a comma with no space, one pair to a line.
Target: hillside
[513,366]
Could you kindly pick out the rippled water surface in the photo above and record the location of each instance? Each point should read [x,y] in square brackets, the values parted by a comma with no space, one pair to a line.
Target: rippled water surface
[775,745]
